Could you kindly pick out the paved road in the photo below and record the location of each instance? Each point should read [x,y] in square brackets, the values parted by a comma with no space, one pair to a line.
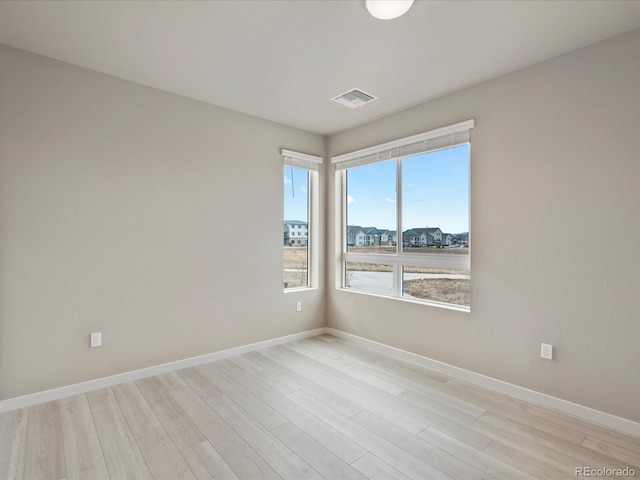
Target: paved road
[381,282]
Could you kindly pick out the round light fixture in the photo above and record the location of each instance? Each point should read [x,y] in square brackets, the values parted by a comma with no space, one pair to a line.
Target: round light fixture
[388,9]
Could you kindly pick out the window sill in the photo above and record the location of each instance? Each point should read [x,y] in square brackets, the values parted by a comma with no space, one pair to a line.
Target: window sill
[298,289]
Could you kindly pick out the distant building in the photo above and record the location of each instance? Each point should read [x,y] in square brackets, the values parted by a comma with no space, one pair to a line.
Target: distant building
[429,237]
[460,239]
[388,237]
[409,237]
[296,233]
[358,236]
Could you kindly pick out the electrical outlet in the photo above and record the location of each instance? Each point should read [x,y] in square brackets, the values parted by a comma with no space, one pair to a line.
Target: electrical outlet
[546,351]
[96,339]
[298,306]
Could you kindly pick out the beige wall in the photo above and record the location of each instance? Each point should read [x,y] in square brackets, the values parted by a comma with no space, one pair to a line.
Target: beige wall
[118,203]
[152,218]
[555,172]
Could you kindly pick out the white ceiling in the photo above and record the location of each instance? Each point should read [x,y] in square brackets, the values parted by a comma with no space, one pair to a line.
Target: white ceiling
[285,60]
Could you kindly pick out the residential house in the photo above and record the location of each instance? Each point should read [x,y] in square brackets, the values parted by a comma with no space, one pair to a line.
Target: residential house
[409,237]
[388,237]
[363,236]
[355,235]
[429,236]
[295,233]
[424,237]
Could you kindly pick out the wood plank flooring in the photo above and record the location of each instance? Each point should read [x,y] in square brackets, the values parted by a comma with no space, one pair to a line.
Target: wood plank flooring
[313,409]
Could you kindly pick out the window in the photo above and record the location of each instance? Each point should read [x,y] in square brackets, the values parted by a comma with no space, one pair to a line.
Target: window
[405,218]
[300,219]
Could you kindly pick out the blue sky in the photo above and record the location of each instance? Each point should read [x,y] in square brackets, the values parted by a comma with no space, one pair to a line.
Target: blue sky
[434,187]
[295,193]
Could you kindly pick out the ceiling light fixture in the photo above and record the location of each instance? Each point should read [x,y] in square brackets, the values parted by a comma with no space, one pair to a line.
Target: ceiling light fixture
[387,9]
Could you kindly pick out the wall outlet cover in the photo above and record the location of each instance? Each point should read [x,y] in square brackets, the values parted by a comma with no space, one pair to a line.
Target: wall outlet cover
[96,339]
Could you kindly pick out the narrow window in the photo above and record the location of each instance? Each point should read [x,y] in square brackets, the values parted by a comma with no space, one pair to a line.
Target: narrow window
[300,220]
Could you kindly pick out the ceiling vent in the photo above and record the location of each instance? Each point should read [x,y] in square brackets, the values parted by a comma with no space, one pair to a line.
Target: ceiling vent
[354,98]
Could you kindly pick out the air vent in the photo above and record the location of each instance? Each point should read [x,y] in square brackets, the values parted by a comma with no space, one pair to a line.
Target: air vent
[354,98]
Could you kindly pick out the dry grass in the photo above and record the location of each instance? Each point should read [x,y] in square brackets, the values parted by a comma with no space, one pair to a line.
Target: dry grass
[371,249]
[447,271]
[295,279]
[368,267]
[457,292]
[295,257]
[295,266]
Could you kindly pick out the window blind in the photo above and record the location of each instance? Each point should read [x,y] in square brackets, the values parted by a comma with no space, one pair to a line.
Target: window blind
[301,160]
[445,137]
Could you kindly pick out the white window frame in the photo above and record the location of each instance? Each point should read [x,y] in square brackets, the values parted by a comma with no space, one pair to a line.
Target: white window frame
[311,163]
[431,141]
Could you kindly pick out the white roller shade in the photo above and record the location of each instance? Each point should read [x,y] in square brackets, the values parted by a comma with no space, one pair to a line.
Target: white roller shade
[438,139]
[301,160]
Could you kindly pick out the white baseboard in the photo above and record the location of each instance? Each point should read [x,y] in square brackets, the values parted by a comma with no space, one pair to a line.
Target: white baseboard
[83,387]
[521,393]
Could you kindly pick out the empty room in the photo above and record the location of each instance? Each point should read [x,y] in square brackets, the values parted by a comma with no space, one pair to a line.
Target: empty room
[319,239]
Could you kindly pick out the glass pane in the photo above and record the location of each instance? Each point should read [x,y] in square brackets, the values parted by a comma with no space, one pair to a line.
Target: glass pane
[371,208]
[295,227]
[435,201]
[437,284]
[369,277]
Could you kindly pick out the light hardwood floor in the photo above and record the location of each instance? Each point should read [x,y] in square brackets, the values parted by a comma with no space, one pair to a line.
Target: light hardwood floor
[313,409]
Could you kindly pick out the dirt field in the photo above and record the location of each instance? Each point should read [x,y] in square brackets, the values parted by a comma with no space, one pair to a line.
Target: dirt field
[295,266]
[295,257]
[295,279]
[457,292]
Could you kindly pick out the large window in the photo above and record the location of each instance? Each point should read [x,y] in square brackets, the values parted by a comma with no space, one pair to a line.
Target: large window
[405,218]
[300,217]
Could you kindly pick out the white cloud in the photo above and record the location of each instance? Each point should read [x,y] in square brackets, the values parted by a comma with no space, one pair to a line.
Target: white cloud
[350,199]
[411,184]
[303,188]
[390,200]
[287,180]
